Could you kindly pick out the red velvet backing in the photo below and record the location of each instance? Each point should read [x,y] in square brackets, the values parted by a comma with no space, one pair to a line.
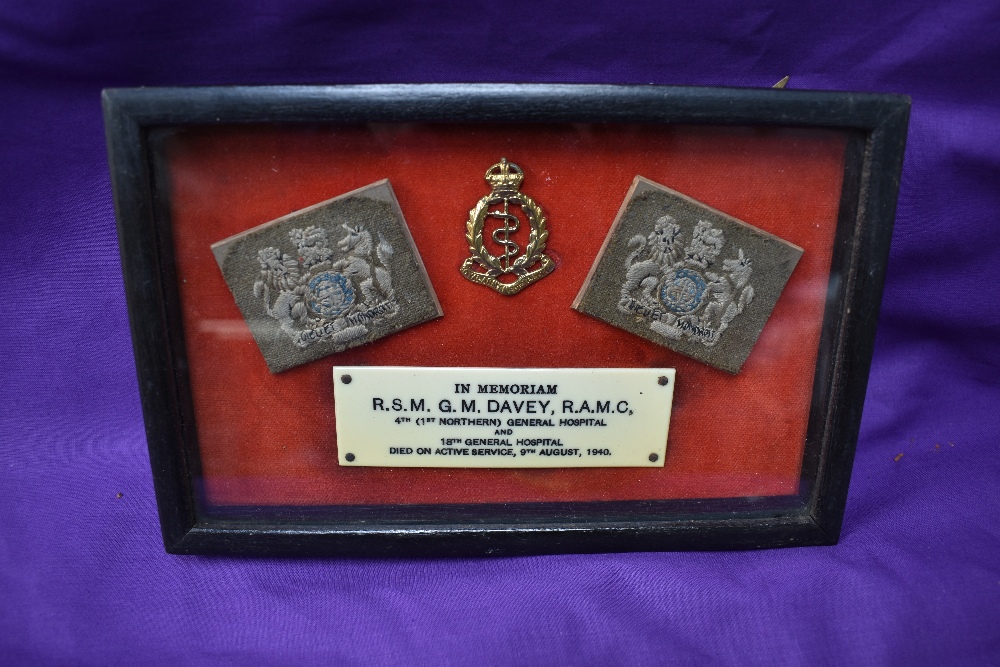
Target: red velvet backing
[271,439]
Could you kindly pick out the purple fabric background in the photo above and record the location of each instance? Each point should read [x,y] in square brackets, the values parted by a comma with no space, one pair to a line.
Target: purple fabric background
[83,575]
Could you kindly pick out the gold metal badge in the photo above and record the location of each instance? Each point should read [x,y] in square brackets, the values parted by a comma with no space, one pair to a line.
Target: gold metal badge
[486,269]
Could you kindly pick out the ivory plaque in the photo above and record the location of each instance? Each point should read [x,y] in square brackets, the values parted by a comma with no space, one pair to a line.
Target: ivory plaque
[502,417]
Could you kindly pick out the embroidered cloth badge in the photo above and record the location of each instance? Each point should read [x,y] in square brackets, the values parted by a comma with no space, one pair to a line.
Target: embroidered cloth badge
[342,273]
[686,276]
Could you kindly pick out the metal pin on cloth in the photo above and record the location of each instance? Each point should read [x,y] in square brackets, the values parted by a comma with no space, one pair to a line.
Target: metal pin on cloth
[527,267]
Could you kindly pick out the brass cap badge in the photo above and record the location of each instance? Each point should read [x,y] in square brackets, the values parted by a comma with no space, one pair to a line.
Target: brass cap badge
[486,269]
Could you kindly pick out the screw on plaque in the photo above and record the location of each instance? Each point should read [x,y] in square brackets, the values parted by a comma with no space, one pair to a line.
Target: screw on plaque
[349,457]
[653,457]
[663,381]
[346,379]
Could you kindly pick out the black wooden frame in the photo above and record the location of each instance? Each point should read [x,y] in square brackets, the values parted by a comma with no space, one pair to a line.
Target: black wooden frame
[877,126]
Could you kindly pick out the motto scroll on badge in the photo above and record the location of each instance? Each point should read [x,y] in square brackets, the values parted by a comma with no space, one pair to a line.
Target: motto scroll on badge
[686,276]
[318,281]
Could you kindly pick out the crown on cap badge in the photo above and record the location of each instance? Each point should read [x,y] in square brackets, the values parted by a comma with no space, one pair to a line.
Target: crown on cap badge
[504,176]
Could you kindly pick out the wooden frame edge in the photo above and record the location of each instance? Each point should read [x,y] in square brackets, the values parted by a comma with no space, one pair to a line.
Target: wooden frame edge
[129,113]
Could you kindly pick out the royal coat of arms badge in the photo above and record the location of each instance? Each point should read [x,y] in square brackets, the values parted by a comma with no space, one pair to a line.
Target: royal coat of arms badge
[686,276]
[329,277]
[512,271]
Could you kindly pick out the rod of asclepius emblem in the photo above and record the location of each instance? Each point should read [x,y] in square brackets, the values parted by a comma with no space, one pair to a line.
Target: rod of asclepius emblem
[512,271]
